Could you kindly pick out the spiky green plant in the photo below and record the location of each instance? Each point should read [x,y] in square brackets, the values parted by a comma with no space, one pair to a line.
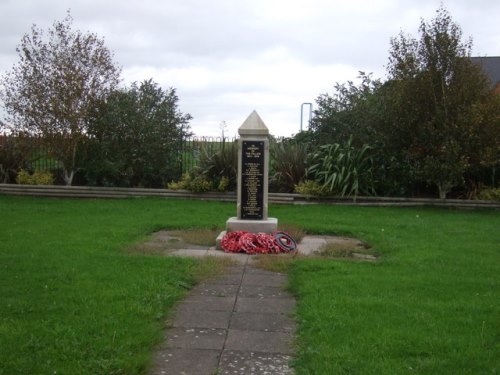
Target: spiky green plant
[221,165]
[289,165]
[342,169]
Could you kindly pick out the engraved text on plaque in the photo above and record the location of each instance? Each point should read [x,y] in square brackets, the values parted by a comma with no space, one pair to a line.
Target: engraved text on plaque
[252,180]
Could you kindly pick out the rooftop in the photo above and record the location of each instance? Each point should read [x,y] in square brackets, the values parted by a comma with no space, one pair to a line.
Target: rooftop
[491,66]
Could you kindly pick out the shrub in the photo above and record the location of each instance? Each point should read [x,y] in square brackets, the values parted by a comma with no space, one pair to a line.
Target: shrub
[221,166]
[182,184]
[289,165]
[193,181]
[342,169]
[223,184]
[200,185]
[37,178]
[24,178]
[310,188]
[43,178]
[489,194]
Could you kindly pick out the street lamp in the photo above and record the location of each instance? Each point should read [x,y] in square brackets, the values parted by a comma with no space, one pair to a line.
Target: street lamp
[302,114]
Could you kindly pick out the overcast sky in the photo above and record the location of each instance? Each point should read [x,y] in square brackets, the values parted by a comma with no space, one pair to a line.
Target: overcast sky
[229,57]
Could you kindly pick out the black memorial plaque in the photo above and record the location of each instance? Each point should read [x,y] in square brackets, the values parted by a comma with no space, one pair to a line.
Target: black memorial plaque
[252,180]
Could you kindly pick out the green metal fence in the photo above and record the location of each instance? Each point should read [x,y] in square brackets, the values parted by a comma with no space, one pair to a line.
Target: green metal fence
[24,152]
[193,147]
[30,152]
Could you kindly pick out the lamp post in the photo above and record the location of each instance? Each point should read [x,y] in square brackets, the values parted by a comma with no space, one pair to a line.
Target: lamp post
[302,115]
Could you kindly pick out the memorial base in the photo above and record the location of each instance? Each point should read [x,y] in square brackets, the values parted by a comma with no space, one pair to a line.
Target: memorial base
[255,226]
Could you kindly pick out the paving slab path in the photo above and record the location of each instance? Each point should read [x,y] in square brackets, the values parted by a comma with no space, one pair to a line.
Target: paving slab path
[238,323]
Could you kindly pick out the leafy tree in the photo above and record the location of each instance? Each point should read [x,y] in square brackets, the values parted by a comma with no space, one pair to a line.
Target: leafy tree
[53,89]
[136,137]
[437,101]
[347,113]
[435,120]
[364,114]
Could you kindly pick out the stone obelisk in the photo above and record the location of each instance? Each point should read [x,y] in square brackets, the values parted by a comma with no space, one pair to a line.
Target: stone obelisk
[253,179]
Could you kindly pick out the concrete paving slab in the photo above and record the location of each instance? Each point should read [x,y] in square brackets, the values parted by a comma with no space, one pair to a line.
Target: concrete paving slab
[186,361]
[265,305]
[243,317]
[235,270]
[260,271]
[229,279]
[259,341]
[262,322]
[202,319]
[257,291]
[275,280]
[244,363]
[215,290]
[310,244]
[196,338]
[189,253]
[209,303]
[238,258]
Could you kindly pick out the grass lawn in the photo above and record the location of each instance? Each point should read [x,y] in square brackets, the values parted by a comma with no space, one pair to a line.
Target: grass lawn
[74,301]
[431,305]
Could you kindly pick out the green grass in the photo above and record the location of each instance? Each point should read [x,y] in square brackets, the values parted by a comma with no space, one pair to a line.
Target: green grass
[431,305]
[74,300]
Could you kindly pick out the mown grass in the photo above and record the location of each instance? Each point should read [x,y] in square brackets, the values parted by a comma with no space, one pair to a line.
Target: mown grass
[75,301]
[431,305]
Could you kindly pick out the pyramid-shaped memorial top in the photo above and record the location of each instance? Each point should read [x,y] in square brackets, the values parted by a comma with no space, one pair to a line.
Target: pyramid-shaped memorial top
[253,125]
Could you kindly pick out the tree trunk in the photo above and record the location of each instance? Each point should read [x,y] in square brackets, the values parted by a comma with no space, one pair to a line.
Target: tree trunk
[68,178]
[444,188]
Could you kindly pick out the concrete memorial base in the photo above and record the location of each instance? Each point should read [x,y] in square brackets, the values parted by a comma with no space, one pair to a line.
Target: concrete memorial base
[268,225]
[233,224]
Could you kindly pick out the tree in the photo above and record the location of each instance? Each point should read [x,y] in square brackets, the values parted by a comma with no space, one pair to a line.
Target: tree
[53,89]
[136,137]
[348,113]
[363,115]
[437,100]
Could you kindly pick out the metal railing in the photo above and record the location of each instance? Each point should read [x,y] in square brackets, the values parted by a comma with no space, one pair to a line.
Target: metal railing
[193,147]
[31,152]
